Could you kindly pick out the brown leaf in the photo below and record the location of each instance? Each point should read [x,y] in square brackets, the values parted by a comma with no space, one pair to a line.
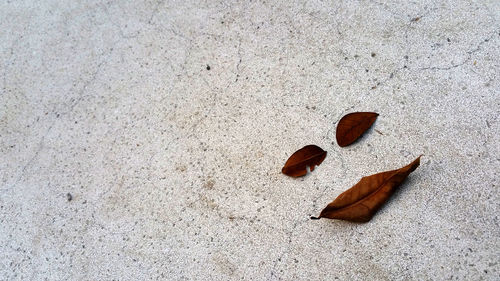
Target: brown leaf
[361,202]
[310,155]
[353,125]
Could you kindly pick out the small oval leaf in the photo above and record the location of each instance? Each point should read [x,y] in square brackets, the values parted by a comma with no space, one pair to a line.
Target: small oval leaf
[310,155]
[353,125]
[364,199]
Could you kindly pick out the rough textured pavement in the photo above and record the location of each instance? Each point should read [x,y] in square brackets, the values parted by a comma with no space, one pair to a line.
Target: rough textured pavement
[144,140]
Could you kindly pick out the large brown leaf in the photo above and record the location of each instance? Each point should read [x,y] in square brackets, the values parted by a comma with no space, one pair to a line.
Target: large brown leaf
[310,155]
[353,125]
[361,202]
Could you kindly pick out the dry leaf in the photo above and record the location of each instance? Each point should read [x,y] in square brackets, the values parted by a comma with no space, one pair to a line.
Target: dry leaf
[361,202]
[310,155]
[353,125]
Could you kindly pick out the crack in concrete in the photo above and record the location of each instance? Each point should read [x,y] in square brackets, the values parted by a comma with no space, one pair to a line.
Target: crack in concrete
[81,94]
[470,53]
[408,26]
[239,60]
[386,8]
[9,62]
[149,20]
[71,108]
[156,10]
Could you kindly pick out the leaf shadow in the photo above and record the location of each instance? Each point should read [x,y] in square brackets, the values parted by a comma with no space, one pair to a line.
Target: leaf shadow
[369,131]
[398,193]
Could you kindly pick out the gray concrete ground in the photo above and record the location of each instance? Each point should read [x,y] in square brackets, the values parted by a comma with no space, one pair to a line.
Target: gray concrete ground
[168,124]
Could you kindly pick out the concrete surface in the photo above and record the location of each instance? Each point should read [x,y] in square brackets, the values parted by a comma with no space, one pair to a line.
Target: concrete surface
[173,170]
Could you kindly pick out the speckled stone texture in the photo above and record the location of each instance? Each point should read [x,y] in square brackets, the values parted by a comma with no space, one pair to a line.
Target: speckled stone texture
[144,140]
